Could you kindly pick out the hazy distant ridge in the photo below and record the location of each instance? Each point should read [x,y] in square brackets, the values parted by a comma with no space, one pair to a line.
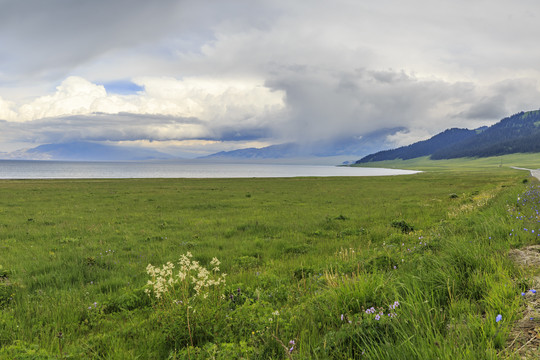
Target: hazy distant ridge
[343,146]
[86,151]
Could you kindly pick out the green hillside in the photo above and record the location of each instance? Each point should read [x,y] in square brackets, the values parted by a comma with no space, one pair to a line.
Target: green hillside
[519,133]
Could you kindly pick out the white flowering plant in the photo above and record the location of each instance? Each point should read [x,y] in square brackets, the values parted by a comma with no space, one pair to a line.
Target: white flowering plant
[189,281]
[185,291]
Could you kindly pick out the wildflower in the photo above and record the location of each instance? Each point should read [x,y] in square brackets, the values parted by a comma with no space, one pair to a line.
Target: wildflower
[498,318]
[215,262]
[377,317]
[533,291]
[522,294]
[275,313]
[341,317]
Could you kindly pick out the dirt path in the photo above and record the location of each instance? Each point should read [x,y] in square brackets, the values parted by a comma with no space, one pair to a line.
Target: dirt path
[525,336]
[535,173]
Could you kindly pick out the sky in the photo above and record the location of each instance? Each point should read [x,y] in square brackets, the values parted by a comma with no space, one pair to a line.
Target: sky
[193,77]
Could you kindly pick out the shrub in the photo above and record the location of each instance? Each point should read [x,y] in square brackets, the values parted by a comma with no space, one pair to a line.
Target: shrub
[402,225]
[7,288]
[126,301]
[381,262]
[247,262]
[4,273]
[303,272]
[297,249]
[21,350]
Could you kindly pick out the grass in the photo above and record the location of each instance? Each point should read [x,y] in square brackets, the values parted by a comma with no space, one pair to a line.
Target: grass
[304,257]
[529,161]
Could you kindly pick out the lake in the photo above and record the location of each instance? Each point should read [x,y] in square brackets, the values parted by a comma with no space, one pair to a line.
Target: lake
[17,169]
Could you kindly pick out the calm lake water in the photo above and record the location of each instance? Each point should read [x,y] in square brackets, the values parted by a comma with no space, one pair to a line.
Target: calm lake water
[14,169]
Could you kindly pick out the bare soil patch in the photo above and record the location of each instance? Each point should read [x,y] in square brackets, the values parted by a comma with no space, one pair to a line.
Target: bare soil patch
[525,337]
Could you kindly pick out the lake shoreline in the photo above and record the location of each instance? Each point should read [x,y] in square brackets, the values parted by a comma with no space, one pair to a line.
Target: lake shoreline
[34,169]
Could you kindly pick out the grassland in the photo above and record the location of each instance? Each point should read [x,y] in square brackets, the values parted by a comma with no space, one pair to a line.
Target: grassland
[529,161]
[406,267]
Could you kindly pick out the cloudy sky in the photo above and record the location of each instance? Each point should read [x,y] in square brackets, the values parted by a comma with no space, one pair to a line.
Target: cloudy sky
[200,76]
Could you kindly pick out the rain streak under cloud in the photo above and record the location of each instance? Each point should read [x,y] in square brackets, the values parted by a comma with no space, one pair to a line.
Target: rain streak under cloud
[212,75]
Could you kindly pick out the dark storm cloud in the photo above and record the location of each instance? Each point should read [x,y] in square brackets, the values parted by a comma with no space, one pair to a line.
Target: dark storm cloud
[503,99]
[486,108]
[334,104]
[49,38]
[41,37]
[126,127]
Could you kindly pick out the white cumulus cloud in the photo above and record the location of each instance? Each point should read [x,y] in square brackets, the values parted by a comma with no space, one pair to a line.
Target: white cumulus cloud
[6,110]
[211,100]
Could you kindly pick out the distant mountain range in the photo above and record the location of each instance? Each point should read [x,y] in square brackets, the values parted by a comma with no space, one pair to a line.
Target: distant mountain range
[349,146]
[352,146]
[519,133]
[86,151]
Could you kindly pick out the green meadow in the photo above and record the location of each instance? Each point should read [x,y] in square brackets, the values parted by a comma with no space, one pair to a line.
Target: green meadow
[398,267]
[529,161]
